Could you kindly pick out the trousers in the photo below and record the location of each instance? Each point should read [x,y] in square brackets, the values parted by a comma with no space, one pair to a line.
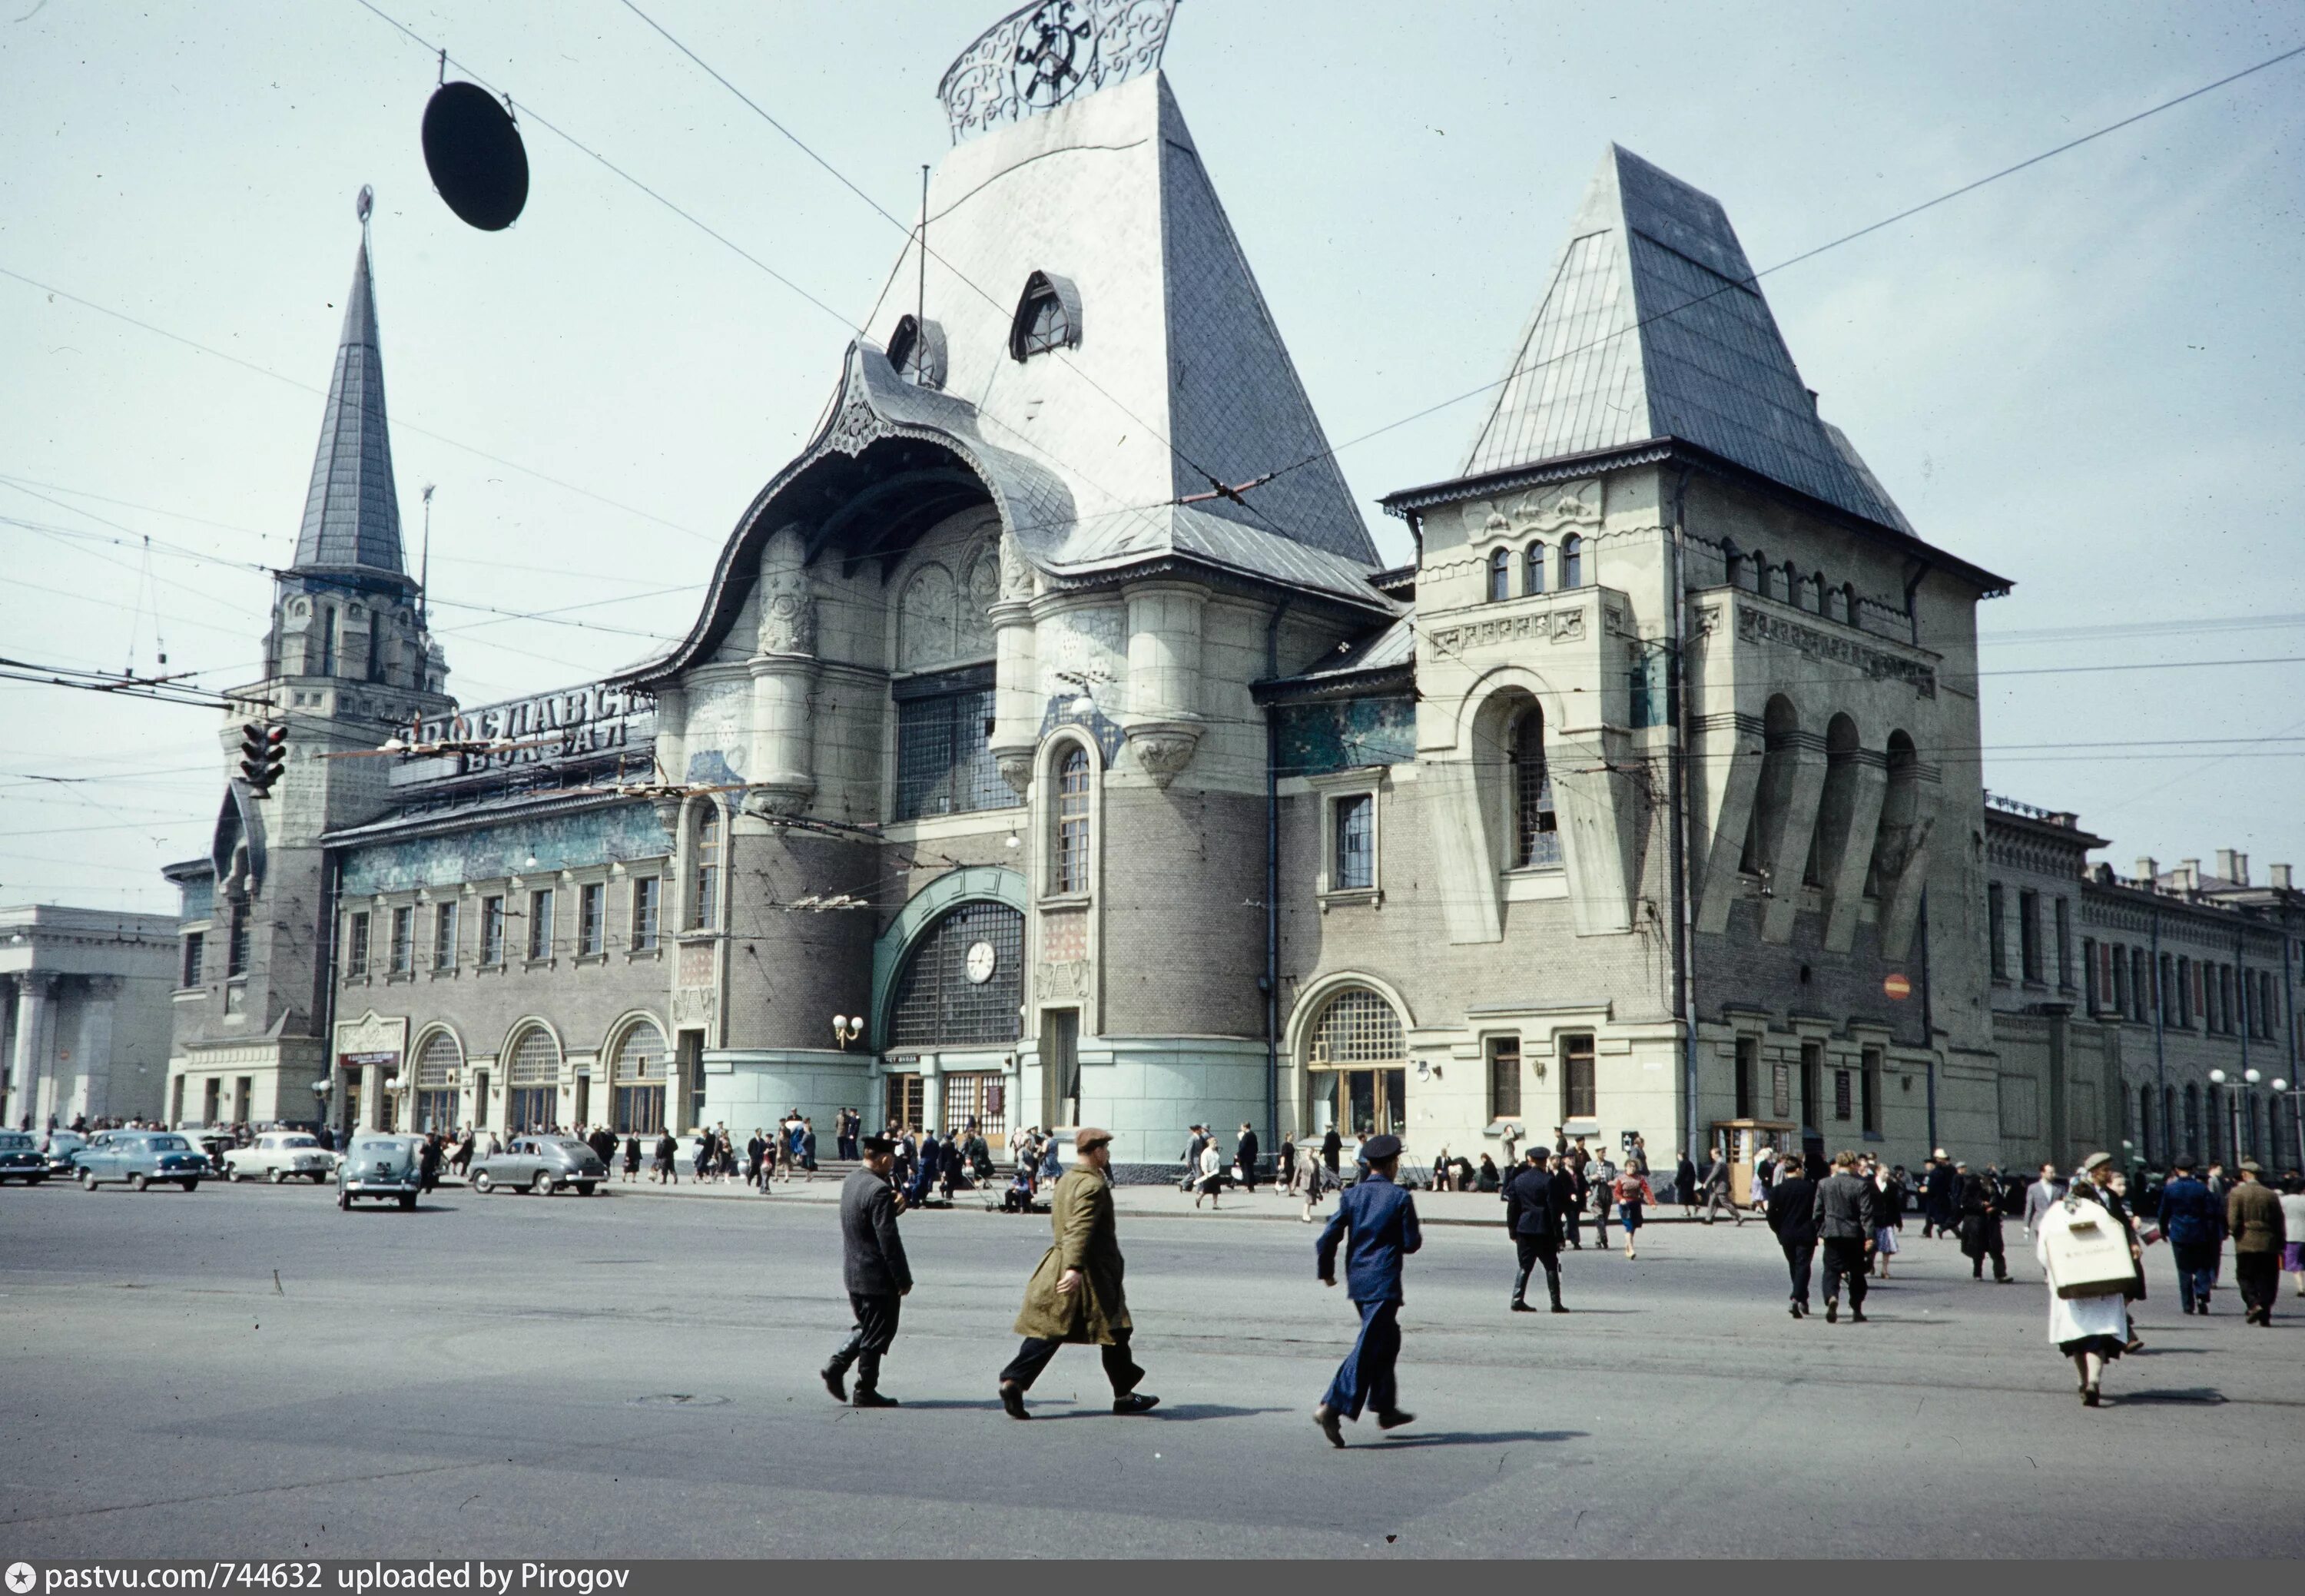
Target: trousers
[2197,1272]
[1034,1356]
[1535,1251]
[1716,1200]
[2258,1276]
[1365,1378]
[1798,1257]
[869,1338]
[1844,1256]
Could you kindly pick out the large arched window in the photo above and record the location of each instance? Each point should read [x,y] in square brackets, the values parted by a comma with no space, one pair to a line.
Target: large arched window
[1499,575]
[1048,317]
[1357,1066]
[436,1082]
[532,1082]
[705,883]
[1572,561]
[1068,852]
[963,981]
[1532,568]
[1772,793]
[1536,837]
[636,1079]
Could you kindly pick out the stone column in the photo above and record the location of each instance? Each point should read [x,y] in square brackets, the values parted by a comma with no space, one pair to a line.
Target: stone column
[25,1070]
[1017,699]
[782,777]
[1162,722]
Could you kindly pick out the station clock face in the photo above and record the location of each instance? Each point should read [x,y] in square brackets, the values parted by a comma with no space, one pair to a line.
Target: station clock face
[980,962]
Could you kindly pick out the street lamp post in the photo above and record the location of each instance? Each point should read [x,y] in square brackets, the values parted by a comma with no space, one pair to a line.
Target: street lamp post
[2233,1107]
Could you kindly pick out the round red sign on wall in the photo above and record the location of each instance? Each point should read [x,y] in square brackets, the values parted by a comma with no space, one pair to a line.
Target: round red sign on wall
[1898,987]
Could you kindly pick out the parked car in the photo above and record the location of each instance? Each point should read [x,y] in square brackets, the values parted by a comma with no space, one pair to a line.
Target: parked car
[140,1158]
[381,1164]
[541,1164]
[277,1154]
[218,1145]
[62,1149]
[20,1158]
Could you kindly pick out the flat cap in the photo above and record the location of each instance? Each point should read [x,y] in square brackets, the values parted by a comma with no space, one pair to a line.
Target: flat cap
[877,1145]
[2096,1161]
[2251,1167]
[1089,1137]
[1376,1149]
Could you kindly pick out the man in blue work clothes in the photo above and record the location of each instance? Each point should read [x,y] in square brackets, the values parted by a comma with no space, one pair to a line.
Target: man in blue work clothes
[1381,1220]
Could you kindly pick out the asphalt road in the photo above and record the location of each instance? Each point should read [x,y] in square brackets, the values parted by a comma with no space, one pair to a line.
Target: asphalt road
[633,1376]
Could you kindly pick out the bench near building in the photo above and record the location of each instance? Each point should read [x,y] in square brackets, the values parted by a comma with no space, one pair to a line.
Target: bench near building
[1051,745]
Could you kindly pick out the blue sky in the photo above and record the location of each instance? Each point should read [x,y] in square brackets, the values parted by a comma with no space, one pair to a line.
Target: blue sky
[2088,376]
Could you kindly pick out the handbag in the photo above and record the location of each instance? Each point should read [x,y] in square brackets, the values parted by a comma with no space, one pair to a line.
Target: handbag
[2088,1252]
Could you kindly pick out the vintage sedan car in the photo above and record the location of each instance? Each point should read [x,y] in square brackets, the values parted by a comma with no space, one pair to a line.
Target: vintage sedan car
[62,1149]
[20,1158]
[142,1158]
[277,1155]
[381,1164]
[542,1165]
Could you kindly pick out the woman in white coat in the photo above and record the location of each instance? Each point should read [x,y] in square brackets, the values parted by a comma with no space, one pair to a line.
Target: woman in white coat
[1211,1174]
[2092,1330]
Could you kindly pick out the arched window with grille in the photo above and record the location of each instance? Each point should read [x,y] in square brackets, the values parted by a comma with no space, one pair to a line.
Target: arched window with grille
[437,1062]
[1499,575]
[1537,836]
[636,1079]
[1357,1066]
[1069,839]
[963,980]
[1572,561]
[705,886]
[532,1082]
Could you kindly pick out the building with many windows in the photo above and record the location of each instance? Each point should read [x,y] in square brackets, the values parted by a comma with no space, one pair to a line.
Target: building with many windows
[1049,745]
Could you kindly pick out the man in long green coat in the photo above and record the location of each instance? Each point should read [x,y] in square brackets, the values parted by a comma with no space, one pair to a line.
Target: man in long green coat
[1076,1295]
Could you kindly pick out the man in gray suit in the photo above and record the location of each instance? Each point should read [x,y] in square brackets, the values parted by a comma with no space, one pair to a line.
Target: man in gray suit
[1843,1209]
[874,1268]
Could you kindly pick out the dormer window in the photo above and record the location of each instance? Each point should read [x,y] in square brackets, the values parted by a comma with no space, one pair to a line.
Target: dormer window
[916,349]
[1048,317]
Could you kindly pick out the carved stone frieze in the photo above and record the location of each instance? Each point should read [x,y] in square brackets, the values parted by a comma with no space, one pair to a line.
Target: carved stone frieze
[856,426]
[1758,626]
[1562,625]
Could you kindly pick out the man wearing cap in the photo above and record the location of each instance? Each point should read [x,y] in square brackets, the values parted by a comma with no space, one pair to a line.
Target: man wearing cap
[874,1268]
[1380,1219]
[1980,1223]
[2253,1214]
[1075,1295]
[2193,1221]
[1533,1221]
[1940,1195]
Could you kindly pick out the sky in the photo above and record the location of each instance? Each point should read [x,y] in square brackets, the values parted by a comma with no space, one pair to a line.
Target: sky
[2088,377]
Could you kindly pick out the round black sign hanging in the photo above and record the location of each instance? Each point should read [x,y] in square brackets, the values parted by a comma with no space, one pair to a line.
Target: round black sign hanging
[475,156]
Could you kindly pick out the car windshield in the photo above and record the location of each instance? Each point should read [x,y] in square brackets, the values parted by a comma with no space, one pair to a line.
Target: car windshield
[294,1141]
[170,1144]
[15,1144]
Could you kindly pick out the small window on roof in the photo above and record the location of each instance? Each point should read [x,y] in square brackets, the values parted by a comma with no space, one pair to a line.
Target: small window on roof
[916,349]
[1048,317]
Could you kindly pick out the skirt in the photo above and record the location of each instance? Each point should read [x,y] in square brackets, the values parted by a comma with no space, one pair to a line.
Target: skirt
[1211,1184]
[2107,1347]
[2292,1257]
[1628,1215]
[1885,1239]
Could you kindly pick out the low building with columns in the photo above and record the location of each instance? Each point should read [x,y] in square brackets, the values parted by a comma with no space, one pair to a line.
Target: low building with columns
[1052,747]
[84,1014]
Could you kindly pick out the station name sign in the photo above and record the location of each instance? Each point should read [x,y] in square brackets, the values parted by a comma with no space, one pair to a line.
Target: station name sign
[574,723]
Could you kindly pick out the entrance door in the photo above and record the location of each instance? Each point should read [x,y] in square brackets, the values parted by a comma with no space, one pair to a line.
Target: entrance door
[583,1100]
[1060,1066]
[353,1121]
[907,1098]
[1360,1103]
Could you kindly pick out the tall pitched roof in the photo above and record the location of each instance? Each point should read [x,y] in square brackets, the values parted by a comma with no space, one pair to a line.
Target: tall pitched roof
[1651,326]
[352,511]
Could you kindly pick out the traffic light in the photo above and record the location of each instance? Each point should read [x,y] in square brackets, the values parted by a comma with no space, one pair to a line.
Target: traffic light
[263,750]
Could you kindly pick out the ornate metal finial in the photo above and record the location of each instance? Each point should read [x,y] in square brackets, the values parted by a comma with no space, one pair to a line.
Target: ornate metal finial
[1048,53]
[365,204]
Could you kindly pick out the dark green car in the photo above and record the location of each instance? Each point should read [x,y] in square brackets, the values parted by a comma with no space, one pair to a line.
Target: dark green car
[20,1158]
[381,1165]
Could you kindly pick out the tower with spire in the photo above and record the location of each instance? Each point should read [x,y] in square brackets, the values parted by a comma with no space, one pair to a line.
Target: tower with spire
[348,662]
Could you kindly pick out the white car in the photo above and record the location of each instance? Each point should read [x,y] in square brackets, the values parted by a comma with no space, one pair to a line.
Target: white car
[279,1155]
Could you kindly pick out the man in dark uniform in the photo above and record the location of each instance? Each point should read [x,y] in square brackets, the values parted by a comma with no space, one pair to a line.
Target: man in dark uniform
[1380,1219]
[872,1266]
[1245,1153]
[1532,1220]
[1792,1215]
[1940,1195]
[1980,1223]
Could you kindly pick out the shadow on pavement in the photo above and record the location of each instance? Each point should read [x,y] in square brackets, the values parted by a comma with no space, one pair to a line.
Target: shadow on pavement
[1465,1437]
[2196,1397]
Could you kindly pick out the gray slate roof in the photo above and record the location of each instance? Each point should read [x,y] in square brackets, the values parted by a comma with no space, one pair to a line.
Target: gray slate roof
[352,511]
[1651,326]
[1389,648]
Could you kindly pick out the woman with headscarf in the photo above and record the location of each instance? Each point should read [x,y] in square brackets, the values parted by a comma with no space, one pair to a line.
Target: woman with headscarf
[2090,1330]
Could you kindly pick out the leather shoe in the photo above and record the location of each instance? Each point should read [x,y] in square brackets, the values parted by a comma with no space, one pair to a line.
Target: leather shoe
[868,1398]
[1136,1402]
[1395,1418]
[1326,1418]
[1832,1310]
[837,1382]
[1012,1402]
[1522,1307]
[1856,1315]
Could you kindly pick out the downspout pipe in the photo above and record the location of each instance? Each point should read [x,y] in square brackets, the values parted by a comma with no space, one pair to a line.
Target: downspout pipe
[2160,1053]
[1270,980]
[1930,1022]
[1684,942]
[332,878]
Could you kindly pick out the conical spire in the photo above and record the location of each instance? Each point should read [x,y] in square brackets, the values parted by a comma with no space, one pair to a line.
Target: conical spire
[352,513]
[1651,326]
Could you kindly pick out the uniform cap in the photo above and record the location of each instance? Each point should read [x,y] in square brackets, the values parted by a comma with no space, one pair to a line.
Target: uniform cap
[877,1145]
[1376,1149]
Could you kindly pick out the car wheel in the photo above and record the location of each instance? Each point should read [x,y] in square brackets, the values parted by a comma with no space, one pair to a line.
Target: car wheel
[192,1185]
[583,1187]
[407,1201]
[136,1182]
[542,1184]
[277,1176]
[344,1200]
[317,1176]
[87,1181]
[482,1181]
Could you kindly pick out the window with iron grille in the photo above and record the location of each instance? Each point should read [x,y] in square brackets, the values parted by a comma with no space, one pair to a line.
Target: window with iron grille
[444,936]
[938,1005]
[403,941]
[1070,872]
[704,902]
[637,1077]
[1354,864]
[355,946]
[1536,839]
[492,930]
[1358,1026]
[1579,1096]
[645,888]
[540,924]
[591,918]
[944,755]
[976,1098]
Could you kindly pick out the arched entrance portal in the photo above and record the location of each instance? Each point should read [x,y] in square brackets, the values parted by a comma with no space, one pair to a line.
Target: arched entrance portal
[960,991]
[1357,1067]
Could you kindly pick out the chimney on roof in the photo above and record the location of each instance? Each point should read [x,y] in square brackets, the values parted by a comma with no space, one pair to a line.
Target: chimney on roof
[2065,819]
[2281,876]
[2189,875]
[2148,870]
[2226,858]
[2240,869]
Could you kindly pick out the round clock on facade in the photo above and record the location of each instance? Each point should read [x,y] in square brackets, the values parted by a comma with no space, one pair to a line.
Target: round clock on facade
[980,962]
